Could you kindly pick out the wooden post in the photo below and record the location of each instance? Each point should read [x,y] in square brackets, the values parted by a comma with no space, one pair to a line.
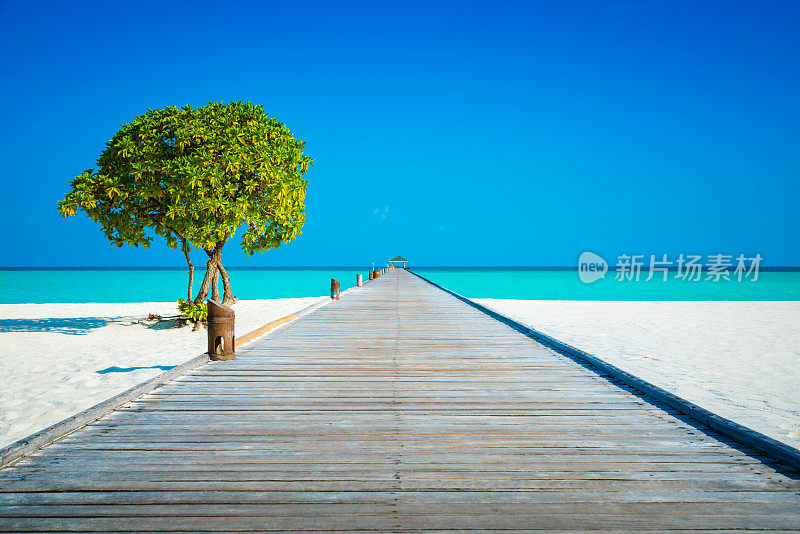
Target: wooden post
[359,281]
[371,275]
[221,344]
[335,289]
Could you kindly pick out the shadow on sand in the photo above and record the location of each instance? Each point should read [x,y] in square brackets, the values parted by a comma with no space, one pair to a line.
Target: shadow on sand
[75,326]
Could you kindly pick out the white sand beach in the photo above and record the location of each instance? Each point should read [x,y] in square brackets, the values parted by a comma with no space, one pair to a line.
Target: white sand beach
[59,359]
[740,360]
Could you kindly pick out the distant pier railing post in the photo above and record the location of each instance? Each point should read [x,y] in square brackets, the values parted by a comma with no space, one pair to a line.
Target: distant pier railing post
[221,319]
[335,286]
[359,280]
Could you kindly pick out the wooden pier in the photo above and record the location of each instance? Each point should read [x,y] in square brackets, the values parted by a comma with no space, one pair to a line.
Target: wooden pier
[397,409]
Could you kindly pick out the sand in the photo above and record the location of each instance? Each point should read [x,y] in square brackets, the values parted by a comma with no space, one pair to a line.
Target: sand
[59,359]
[740,360]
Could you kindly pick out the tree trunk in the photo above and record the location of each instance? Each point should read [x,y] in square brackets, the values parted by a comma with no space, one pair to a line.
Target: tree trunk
[211,272]
[228,297]
[185,248]
[215,283]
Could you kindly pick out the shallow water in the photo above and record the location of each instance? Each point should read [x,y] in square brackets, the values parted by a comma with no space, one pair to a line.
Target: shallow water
[159,285]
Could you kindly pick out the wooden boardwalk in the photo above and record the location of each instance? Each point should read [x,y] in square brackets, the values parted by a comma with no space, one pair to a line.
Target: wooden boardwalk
[397,409]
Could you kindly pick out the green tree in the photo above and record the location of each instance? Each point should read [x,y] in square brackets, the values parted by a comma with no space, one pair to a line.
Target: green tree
[194,176]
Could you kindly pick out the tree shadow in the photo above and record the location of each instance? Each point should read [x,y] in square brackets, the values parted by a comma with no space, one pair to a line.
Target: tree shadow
[164,324]
[75,326]
[115,369]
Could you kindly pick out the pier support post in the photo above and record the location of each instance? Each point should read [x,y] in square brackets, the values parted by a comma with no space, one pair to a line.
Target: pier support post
[220,331]
[359,281]
[335,289]
[371,275]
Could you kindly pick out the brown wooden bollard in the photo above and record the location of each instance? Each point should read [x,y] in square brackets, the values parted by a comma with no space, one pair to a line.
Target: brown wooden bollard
[359,280]
[335,289]
[220,331]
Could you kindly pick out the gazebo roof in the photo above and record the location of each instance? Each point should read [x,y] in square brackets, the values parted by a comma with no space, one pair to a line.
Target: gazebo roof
[398,258]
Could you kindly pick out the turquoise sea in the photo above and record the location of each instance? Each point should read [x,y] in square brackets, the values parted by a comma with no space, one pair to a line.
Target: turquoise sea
[161,285]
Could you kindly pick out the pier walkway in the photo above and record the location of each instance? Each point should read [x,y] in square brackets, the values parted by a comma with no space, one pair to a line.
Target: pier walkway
[397,409]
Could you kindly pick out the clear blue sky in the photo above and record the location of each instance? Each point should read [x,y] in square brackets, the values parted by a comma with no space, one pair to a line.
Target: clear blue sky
[492,133]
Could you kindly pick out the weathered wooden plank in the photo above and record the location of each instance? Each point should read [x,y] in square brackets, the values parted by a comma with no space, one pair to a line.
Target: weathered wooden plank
[410,497]
[391,506]
[439,484]
[366,472]
[380,440]
[562,469]
[475,520]
[376,480]
[389,455]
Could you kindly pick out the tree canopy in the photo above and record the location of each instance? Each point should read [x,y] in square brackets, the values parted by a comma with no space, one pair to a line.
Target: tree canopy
[194,176]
